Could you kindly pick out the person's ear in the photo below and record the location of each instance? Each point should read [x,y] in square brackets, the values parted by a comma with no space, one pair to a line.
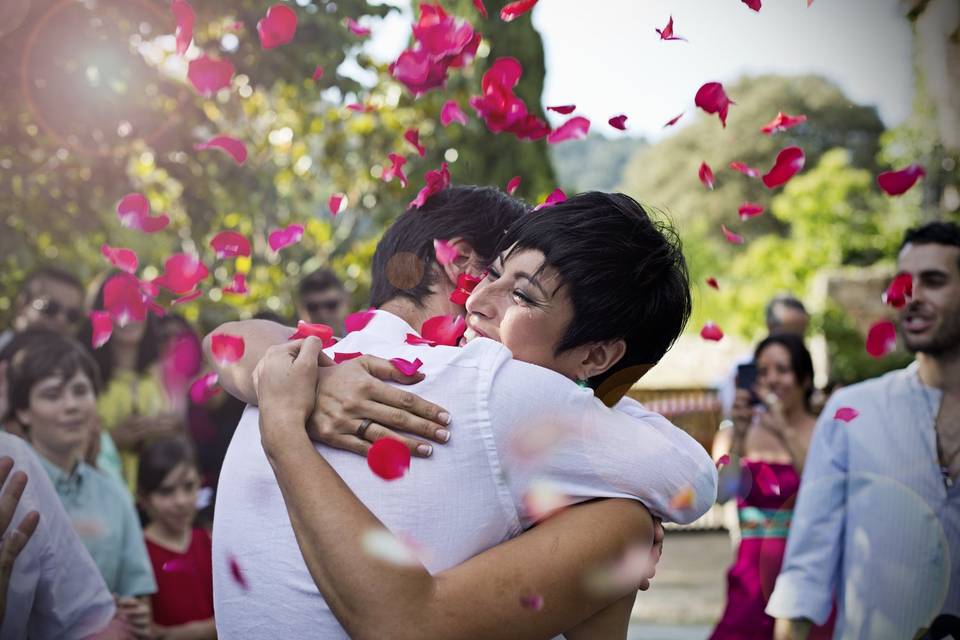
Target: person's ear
[600,356]
[467,261]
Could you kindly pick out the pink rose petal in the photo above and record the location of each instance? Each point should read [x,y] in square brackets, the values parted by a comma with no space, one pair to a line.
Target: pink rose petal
[782,122]
[239,285]
[563,109]
[413,137]
[667,32]
[516,9]
[189,297]
[337,203]
[102,325]
[280,238]
[712,282]
[711,331]
[226,348]
[185,18]
[513,185]
[316,330]
[388,458]
[414,339]
[480,7]
[204,388]
[683,499]
[317,73]
[123,259]
[674,120]
[395,170]
[789,162]
[182,272]
[230,244]
[358,320]
[356,28]
[278,27]
[713,99]
[895,183]
[451,112]
[846,414]
[134,213]
[233,147]
[723,460]
[445,252]
[731,237]
[750,210]
[436,181]
[345,357]
[618,122]
[881,338]
[575,128]
[406,367]
[209,75]
[556,197]
[706,175]
[237,573]
[748,171]
[901,288]
[444,330]
[753,4]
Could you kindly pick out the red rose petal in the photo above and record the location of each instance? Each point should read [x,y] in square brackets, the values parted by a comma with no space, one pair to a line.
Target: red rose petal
[358,320]
[895,183]
[185,18]
[123,299]
[230,244]
[337,203]
[233,147]
[513,184]
[189,297]
[881,339]
[556,197]
[239,285]
[534,602]
[706,175]
[317,73]
[753,4]
[750,210]
[444,330]
[204,388]
[723,460]
[437,180]
[516,9]
[901,288]
[182,272]
[789,162]
[237,573]
[731,237]
[674,120]
[563,109]
[344,357]
[134,213]
[846,414]
[388,458]
[413,137]
[711,331]
[618,122]
[414,339]
[278,27]
[575,128]
[445,252]
[280,238]
[226,348]
[712,282]
[713,99]
[356,28]
[667,32]
[744,169]
[451,112]
[209,75]
[782,122]
[123,259]
[480,7]
[406,367]
[102,325]
[468,282]
[317,330]
[395,170]
[459,297]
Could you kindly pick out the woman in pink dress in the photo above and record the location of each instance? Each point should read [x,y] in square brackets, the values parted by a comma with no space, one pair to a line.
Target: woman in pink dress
[761,459]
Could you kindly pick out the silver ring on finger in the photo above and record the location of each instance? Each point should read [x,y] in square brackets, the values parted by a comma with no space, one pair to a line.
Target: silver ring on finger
[362,429]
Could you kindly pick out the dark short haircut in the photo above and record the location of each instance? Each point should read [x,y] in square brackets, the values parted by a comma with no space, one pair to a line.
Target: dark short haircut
[791,302]
[272,316]
[405,256]
[800,362]
[48,272]
[946,233]
[624,271]
[160,456]
[42,355]
[319,280]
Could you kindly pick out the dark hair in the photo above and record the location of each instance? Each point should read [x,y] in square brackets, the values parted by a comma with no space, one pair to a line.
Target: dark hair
[789,301]
[272,316]
[48,272]
[946,233]
[404,260]
[625,273]
[41,355]
[800,362]
[320,280]
[160,456]
[148,351]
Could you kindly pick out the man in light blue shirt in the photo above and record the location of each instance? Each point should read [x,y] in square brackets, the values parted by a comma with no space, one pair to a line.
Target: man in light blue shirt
[877,521]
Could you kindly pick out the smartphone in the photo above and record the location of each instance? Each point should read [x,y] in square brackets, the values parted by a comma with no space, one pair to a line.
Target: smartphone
[747,379]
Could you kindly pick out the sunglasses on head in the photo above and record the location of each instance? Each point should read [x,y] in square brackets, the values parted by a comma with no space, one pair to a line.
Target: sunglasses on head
[328,305]
[52,309]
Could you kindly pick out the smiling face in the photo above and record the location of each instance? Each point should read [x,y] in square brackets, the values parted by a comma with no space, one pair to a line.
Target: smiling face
[60,414]
[173,505]
[930,322]
[775,374]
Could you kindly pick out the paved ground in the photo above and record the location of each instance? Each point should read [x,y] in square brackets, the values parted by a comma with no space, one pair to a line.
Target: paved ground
[687,596]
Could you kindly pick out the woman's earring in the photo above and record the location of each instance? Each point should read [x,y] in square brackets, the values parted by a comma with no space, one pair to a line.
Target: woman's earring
[582,383]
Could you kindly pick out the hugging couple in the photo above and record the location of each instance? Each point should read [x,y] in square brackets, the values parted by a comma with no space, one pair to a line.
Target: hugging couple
[529,412]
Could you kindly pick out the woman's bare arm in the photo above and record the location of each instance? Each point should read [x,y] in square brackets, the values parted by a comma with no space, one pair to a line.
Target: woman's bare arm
[258,336]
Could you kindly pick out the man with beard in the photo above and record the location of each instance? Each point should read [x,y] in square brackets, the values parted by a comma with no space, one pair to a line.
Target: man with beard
[877,520]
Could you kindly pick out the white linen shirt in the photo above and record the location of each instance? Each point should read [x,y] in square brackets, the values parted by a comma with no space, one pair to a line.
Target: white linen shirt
[56,590]
[465,498]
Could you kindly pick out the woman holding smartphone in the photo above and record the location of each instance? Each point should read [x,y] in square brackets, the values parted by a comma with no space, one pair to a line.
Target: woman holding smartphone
[761,459]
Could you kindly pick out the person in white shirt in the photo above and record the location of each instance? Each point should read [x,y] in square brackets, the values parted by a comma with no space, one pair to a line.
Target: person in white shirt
[476,491]
[54,588]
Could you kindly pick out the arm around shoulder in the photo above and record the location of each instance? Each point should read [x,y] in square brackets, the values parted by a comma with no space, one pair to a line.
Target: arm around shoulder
[258,336]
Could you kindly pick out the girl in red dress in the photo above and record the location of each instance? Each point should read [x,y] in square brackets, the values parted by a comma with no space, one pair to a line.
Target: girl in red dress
[167,486]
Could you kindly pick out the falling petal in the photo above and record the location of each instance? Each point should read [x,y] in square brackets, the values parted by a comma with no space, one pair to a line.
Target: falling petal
[204,388]
[673,121]
[713,99]
[789,162]
[901,288]
[280,238]
[102,326]
[563,109]
[667,32]
[317,330]
[846,414]
[406,367]
[516,9]
[436,181]
[723,460]
[711,331]
[618,122]
[182,272]
[356,28]
[337,203]
[230,244]
[480,7]
[445,252]
[782,122]
[706,175]
[533,602]
[753,4]
[237,573]
[185,18]
[513,185]
[535,442]
[278,27]
[575,128]
[543,499]
[468,282]
[416,340]
[682,499]
[233,147]
[413,137]
[226,348]
[556,197]
[317,73]
[388,458]
[881,338]
[895,183]
[627,573]
[451,112]
[383,545]
[395,170]
[459,297]
[238,286]
[750,210]
[733,238]
[712,282]
[189,297]
[209,75]
[444,330]
[123,299]
[358,320]
[748,171]
[766,481]
[344,357]
[134,213]
[123,259]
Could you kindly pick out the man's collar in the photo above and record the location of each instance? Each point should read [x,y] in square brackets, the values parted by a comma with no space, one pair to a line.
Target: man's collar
[389,326]
[60,478]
